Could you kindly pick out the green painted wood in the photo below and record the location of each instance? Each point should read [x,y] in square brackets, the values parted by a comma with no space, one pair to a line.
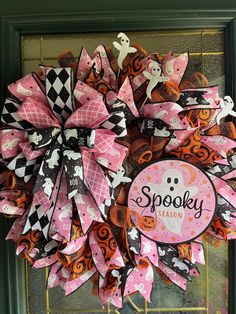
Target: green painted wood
[3,266]
[14,7]
[230,71]
[12,283]
[12,27]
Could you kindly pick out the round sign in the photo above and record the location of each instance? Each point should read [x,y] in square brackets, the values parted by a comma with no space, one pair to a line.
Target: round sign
[172,201]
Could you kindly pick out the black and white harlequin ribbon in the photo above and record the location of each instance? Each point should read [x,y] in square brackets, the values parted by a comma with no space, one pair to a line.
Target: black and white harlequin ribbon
[121,106]
[154,127]
[9,115]
[59,91]
[116,123]
[24,168]
[64,145]
[39,220]
[120,116]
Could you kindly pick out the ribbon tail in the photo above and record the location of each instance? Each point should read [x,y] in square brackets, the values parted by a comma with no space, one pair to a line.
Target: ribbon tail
[37,220]
[171,276]
[49,168]
[75,284]
[140,279]
[24,168]
[73,166]
[170,258]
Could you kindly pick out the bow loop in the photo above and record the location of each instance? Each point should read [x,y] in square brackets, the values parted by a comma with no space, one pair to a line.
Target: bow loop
[90,115]
[116,123]
[104,140]
[59,93]
[37,114]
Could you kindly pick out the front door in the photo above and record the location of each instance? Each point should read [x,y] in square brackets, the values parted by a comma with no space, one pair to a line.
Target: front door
[205,294]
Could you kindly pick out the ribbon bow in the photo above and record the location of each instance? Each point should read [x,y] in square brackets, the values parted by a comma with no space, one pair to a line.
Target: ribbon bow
[68,137]
[64,145]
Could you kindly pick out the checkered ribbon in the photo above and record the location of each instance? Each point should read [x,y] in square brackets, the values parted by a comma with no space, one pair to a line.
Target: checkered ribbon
[10,117]
[116,123]
[38,219]
[59,84]
[24,168]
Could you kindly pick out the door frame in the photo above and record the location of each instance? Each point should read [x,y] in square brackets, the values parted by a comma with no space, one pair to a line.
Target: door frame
[12,279]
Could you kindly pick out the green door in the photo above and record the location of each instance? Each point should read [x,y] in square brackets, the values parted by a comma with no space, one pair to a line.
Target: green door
[211,46]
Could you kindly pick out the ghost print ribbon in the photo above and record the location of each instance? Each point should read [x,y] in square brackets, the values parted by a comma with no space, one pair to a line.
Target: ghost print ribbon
[64,147]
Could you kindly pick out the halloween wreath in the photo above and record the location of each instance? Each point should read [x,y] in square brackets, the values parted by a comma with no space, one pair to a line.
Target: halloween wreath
[113,168]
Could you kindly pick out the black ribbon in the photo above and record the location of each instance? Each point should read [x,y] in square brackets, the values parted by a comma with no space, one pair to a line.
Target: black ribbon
[224,209]
[169,256]
[64,146]
[220,170]
[192,98]
[154,127]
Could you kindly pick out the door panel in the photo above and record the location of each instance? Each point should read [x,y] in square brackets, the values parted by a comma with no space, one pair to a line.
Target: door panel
[206,294]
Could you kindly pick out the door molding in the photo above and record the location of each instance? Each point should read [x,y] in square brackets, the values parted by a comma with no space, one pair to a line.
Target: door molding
[11,30]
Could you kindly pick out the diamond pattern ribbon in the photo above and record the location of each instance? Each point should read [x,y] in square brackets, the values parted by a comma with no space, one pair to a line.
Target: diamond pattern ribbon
[59,84]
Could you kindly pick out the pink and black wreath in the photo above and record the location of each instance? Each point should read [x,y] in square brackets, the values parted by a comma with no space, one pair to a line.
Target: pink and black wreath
[115,167]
